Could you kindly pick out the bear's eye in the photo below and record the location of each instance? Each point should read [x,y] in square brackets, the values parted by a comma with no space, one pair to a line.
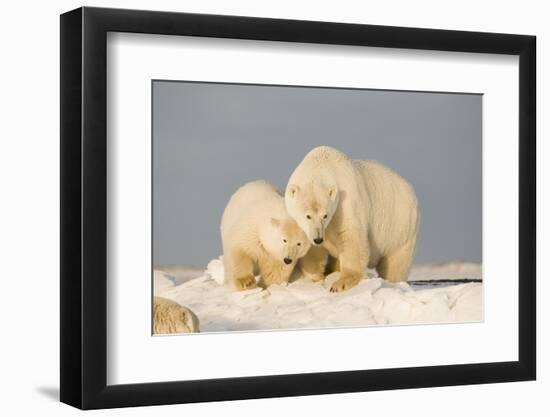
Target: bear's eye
[325,216]
[299,244]
[284,240]
[308,217]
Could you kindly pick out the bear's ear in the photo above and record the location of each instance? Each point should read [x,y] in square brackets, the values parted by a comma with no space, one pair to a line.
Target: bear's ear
[275,222]
[332,192]
[292,190]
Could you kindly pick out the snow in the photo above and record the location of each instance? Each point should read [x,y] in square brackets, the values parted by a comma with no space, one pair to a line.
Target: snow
[181,274]
[448,270]
[163,281]
[306,304]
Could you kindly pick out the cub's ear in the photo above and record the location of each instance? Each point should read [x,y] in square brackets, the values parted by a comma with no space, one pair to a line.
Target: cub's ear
[333,192]
[292,189]
[275,222]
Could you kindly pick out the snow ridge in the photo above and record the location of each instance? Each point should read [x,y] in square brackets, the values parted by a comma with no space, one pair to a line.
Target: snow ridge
[306,304]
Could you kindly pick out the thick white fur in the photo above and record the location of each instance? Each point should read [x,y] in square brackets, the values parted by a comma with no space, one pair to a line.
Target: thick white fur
[171,317]
[257,235]
[371,218]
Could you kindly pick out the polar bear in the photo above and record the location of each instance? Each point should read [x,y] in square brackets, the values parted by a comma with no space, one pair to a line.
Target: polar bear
[259,237]
[171,317]
[359,212]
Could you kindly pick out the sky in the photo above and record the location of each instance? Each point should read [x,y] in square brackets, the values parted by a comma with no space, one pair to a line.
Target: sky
[209,139]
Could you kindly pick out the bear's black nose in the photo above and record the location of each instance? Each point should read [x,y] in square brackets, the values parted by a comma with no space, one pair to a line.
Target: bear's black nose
[318,240]
[288,261]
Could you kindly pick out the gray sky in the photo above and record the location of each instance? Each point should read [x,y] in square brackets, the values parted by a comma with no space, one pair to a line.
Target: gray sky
[209,139]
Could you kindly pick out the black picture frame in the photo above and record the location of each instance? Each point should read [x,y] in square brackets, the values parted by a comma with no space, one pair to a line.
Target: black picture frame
[84,207]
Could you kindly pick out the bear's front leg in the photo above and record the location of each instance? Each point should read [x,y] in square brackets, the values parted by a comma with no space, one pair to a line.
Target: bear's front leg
[313,264]
[275,273]
[242,271]
[353,262]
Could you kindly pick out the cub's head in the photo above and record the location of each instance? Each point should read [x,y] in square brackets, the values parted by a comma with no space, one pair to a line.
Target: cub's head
[312,206]
[284,240]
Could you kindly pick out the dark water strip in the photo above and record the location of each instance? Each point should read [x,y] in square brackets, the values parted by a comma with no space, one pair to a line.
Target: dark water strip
[442,282]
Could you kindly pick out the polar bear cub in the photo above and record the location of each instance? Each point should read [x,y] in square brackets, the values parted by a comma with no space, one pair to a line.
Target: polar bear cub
[259,237]
[359,212]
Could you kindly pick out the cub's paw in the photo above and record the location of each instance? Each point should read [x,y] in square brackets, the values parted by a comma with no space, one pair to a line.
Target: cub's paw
[314,276]
[245,283]
[344,283]
[317,278]
[274,279]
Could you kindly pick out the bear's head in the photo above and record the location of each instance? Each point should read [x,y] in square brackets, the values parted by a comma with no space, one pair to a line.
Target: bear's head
[312,206]
[284,240]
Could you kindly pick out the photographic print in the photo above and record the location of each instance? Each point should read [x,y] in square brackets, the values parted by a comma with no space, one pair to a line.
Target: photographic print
[301,207]
[336,185]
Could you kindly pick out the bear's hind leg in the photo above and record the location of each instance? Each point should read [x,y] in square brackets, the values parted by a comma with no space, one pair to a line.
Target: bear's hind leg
[314,263]
[395,267]
[333,265]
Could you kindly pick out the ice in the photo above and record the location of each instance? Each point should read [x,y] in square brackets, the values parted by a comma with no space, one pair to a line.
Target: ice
[307,304]
[163,281]
[214,270]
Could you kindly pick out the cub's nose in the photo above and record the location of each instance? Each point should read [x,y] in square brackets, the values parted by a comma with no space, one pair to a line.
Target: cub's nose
[288,261]
[318,240]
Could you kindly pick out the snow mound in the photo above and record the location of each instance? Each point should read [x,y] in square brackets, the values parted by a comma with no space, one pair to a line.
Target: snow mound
[307,304]
[215,270]
[163,281]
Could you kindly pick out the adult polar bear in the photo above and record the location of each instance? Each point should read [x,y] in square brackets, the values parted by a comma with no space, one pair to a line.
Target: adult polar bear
[360,212]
